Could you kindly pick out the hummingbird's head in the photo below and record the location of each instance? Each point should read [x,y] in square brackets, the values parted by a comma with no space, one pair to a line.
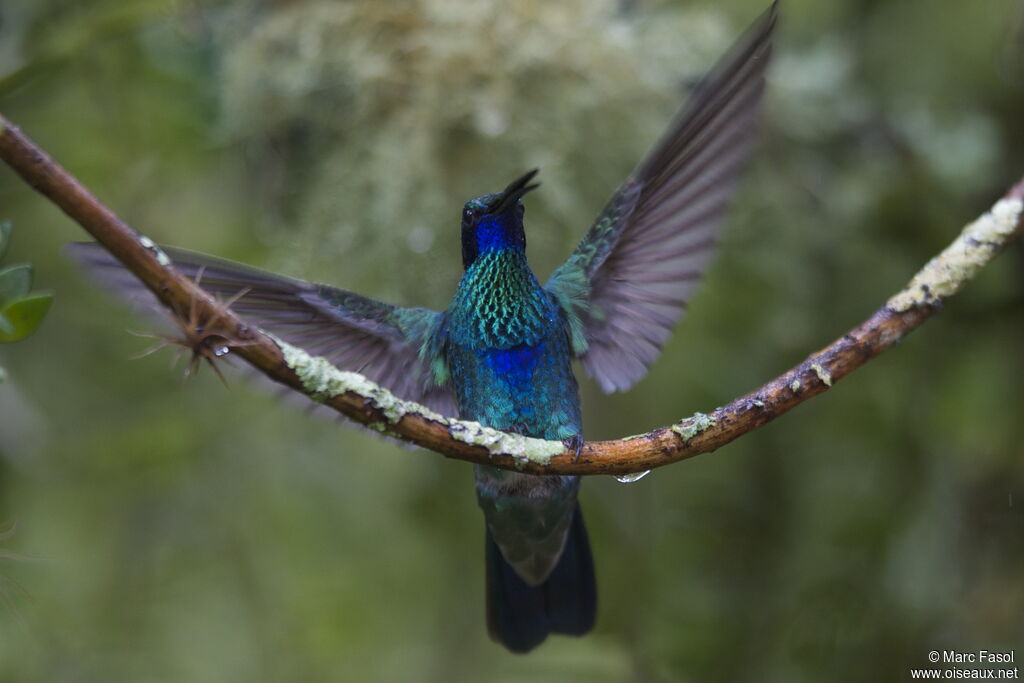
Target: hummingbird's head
[495,221]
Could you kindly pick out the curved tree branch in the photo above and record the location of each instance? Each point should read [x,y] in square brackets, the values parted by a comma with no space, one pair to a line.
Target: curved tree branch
[363,401]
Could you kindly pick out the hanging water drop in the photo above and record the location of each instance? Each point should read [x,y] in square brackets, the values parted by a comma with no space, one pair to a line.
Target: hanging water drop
[632,477]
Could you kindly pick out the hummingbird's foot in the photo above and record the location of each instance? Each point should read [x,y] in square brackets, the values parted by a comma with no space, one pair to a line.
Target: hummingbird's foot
[575,444]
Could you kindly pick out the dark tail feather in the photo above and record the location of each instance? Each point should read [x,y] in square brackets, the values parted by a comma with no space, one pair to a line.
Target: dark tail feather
[520,616]
[571,592]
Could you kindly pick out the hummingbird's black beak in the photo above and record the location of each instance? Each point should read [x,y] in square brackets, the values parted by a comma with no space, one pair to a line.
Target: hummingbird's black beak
[513,193]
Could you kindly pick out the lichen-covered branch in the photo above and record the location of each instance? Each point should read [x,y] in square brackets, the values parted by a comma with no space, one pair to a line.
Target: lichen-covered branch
[370,404]
[978,243]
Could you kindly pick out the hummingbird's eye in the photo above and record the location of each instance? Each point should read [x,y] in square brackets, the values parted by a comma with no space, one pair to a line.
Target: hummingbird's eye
[467,213]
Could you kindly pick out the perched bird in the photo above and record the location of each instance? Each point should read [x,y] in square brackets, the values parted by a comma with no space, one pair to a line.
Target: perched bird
[502,352]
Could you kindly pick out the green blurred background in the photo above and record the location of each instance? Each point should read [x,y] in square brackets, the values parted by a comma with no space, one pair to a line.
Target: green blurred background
[185,532]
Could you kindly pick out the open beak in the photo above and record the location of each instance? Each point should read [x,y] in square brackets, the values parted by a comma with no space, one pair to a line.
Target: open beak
[513,193]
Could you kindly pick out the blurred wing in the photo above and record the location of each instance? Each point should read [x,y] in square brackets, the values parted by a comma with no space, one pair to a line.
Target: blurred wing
[626,284]
[353,332]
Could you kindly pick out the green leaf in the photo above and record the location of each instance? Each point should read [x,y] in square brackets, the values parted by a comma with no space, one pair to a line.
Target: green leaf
[21,317]
[15,282]
[5,236]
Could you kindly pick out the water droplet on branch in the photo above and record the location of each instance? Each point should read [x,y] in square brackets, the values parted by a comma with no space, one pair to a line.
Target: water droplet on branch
[632,477]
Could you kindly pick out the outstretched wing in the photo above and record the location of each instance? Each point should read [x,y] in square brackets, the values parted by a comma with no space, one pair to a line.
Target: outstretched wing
[626,284]
[353,332]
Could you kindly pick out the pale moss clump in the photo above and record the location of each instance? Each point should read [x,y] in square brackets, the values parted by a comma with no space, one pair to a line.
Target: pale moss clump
[380,118]
[322,381]
[945,274]
[687,429]
[522,448]
[823,374]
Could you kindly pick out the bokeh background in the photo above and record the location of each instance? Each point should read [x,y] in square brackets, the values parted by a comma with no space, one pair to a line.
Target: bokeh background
[170,531]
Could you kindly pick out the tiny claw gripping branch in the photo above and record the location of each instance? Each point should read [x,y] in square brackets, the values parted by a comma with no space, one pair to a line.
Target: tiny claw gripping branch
[574,444]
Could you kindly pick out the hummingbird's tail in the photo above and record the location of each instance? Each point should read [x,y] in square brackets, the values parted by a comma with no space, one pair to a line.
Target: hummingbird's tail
[520,616]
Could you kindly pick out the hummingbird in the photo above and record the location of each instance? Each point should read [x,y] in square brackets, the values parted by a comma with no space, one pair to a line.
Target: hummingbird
[502,353]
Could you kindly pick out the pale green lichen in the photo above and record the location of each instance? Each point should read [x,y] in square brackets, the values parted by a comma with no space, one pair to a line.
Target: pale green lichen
[634,436]
[322,381]
[523,448]
[823,374]
[795,385]
[162,258]
[945,274]
[693,426]
[758,403]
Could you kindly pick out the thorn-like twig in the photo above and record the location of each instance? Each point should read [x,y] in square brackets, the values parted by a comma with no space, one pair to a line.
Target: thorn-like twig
[205,335]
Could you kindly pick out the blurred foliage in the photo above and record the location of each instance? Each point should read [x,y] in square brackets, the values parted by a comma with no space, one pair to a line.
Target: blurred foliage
[21,310]
[193,533]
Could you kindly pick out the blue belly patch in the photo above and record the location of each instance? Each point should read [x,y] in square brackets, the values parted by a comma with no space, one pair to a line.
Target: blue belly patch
[515,365]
